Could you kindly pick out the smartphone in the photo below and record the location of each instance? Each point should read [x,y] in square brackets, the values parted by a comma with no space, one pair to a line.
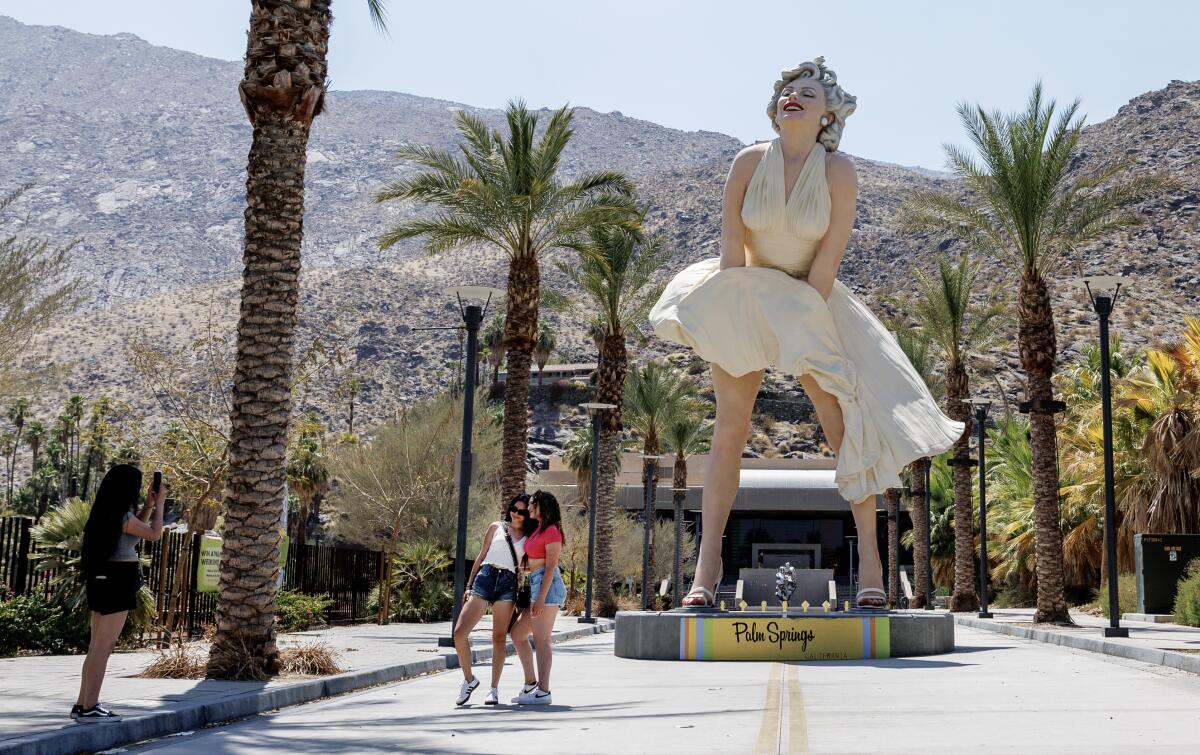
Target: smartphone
[157,484]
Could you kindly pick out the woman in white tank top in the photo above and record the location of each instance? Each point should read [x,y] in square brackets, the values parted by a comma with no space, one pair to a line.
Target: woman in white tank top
[493,582]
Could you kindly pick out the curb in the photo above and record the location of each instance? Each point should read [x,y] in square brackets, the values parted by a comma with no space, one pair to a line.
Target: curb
[1156,656]
[90,738]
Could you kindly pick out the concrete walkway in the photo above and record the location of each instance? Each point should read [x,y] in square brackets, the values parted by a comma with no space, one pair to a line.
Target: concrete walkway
[1171,645]
[992,694]
[36,693]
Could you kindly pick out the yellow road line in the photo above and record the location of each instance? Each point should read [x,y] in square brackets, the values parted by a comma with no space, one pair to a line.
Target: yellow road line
[796,718]
[768,730]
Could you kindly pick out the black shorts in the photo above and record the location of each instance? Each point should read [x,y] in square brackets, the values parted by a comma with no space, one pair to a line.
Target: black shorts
[114,587]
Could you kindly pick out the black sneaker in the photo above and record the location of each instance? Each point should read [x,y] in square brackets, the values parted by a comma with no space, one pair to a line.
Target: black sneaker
[75,709]
[97,714]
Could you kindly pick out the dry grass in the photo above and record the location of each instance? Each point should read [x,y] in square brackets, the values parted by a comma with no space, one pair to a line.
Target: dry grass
[315,659]
[177,662]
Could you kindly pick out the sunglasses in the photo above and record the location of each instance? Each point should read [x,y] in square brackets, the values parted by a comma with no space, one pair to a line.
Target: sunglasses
[516,510]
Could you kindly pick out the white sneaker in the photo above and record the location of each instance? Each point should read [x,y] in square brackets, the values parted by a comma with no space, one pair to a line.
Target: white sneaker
[535,697]
[493,697]
[525,689]
[464,692]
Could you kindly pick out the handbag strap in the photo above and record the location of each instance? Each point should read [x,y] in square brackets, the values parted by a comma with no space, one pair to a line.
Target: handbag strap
[511,548]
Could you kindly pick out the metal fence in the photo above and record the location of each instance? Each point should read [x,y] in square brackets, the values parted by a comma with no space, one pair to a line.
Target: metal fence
[346,575]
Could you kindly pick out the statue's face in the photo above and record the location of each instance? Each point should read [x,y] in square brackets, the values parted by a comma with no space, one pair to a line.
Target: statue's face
[800,101]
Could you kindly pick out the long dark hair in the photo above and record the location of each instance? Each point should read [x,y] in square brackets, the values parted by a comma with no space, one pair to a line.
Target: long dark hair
[527,525]
[118,494]
[549,513]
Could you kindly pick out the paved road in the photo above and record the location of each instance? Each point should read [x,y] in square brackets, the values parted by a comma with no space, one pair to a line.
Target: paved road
[994,694]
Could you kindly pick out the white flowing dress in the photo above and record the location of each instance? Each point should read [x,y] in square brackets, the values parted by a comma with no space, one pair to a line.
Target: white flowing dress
[767,315]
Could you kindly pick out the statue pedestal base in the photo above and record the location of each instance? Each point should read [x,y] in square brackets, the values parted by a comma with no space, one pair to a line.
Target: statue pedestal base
[715,635]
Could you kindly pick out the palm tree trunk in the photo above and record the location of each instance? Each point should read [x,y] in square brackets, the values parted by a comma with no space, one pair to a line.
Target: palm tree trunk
[891,504]
[920,518]
[283,89]
[963,597]
[652,518]
[610,388]
[1039,350]
[520,336]
[679,497]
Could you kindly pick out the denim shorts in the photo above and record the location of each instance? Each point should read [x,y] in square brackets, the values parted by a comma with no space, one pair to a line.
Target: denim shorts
[494,584]
[556,595]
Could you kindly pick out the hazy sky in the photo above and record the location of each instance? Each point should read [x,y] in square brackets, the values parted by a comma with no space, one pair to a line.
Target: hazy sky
[710,65]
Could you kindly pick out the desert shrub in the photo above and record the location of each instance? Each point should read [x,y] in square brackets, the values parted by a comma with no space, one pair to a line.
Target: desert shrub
[314,659]
[1187,598]
[420,589]
[1126,594]
[177,661]
[295,611]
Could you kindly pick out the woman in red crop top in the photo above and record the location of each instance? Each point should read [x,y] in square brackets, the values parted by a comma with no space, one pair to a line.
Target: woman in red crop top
[547,593]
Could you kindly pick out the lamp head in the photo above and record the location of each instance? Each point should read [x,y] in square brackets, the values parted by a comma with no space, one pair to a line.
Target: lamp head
[1102,287]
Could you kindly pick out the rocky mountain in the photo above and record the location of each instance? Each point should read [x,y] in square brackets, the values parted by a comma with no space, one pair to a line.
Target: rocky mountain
[139,151]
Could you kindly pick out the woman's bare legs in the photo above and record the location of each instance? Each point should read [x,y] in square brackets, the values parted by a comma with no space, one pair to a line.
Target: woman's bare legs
[543,627]
[468,617]
[106,629]
[501,612]
[829,414]
[735,404]
[520,638]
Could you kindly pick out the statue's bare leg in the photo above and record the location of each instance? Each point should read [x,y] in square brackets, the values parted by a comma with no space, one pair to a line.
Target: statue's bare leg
[735,404]
[829,414]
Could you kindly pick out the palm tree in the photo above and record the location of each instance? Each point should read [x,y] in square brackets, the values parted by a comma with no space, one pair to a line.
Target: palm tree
[307,476]
[655,394]
[1163,397]
[613,274]
[282,91]
[16,415]
[543,348]
[1024,205]
[493,343]
[891,508]
[35,436]
[915,346]
[506,193]
[958,329]
[688,433]
[577,456]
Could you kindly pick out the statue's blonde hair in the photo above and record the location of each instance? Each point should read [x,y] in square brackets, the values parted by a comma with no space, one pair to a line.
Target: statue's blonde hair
[838,101]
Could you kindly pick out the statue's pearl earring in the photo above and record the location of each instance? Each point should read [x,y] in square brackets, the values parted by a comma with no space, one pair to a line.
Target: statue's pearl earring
[824,120]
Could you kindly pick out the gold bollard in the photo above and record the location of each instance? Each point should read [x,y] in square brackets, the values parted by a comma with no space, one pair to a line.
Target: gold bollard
[742,605]
[825,605]
[764,606]
[722,605]
[804,606]
[847,606]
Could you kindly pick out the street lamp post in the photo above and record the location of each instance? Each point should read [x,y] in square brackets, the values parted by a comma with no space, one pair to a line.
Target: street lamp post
[853,541]
[649,461]
[981,406]
[1102,291]
[472,303]
[596,411]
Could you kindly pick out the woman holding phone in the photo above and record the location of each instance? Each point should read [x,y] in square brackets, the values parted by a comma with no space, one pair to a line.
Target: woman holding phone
[114,573]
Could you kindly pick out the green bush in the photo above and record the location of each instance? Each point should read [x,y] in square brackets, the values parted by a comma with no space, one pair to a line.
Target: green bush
[420,590]
[1126,594]
[1187,597]
[30,623]
[295,611]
